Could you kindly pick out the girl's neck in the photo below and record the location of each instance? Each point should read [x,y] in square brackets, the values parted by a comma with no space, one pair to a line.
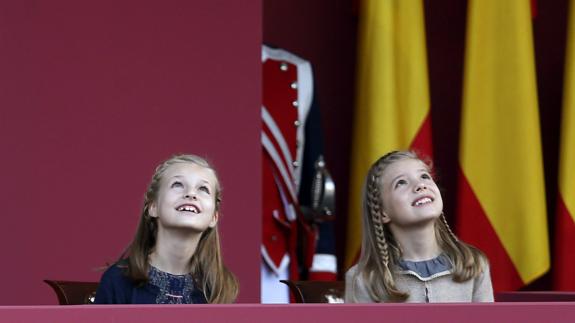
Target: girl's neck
[417,244]
[173,251]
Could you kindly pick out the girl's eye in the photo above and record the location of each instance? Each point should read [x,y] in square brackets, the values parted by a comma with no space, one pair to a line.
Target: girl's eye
[426,176]
[176,184]
[400,182]
[205,189]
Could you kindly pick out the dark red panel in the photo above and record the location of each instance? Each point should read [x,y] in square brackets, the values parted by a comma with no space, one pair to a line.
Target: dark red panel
[93,95]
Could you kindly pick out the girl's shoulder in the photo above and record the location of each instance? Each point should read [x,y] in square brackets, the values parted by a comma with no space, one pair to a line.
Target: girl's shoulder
[116,272]
[354,278]
[352,271]
[115,286]
[355,287]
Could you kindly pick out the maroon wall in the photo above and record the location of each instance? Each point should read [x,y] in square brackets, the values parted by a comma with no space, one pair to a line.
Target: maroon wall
[92,96]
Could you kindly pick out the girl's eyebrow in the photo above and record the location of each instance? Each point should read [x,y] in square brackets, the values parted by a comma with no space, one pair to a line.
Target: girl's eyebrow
[423,170]
[182,176]
[398,176]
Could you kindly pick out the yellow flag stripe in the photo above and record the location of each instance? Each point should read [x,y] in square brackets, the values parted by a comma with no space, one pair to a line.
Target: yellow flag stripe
[567,157]
[392,92]
[500,143]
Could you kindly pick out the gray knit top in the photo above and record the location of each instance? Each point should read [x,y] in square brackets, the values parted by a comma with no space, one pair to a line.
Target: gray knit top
[429,281]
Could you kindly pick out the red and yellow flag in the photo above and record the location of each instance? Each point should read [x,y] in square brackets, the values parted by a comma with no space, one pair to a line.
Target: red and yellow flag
[392,108]
[501,206]
[564,260]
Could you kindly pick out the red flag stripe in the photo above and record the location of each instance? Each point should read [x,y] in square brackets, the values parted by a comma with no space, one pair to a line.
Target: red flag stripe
[564,263]
[476,227]
[422,142]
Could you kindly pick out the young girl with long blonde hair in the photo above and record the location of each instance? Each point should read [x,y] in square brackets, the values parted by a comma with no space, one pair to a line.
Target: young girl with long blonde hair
[409,253]
[175,257]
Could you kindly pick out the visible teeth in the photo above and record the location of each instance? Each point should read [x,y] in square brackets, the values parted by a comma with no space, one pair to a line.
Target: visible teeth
[188,209]
[424,200]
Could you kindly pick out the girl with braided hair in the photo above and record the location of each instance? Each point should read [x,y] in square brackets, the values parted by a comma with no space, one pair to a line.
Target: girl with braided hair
[409,253]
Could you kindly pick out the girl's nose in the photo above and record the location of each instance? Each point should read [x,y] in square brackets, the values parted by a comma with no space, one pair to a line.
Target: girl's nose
[190,196]
[420,187]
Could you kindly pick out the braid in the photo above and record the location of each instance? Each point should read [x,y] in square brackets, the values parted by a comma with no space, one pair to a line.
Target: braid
[467,259]
[375,211]
[451,234]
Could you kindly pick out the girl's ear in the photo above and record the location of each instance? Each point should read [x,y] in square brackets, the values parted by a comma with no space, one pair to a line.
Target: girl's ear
[214,220]
[153,210]
[384,217]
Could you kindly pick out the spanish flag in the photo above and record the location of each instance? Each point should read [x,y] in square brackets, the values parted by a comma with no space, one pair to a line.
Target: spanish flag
[501,206]
[564,263]
[392,107]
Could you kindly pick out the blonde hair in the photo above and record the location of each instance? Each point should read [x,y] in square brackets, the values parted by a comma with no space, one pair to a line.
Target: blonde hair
[380,251]
[218,284]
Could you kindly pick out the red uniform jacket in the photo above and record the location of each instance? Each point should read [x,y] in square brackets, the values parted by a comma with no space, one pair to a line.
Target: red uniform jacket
[287,100]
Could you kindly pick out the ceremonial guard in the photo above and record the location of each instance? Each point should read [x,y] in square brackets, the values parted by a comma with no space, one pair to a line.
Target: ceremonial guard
[298,193]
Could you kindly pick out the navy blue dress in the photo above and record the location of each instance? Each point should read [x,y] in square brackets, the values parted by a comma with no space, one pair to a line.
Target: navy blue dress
[162,288]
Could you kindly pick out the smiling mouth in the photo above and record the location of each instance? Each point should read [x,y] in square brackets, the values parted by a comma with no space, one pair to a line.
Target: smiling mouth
[188,208]
[422,201]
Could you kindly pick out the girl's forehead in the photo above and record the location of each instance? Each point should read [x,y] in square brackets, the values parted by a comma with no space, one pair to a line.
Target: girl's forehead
[404,166]
[189,169]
